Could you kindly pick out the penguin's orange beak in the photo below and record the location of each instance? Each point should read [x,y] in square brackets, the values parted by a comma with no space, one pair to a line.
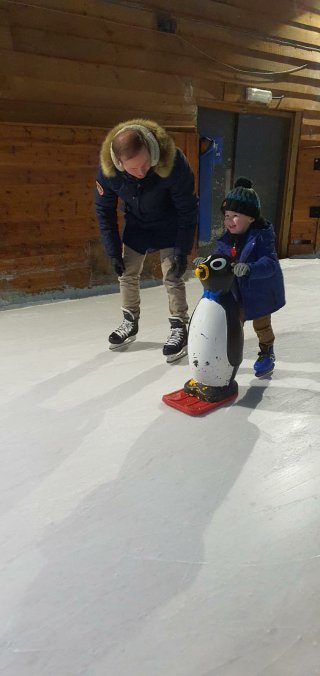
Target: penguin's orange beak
[202,272]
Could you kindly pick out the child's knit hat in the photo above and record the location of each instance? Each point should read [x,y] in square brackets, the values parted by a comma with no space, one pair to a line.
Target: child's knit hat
[242,199]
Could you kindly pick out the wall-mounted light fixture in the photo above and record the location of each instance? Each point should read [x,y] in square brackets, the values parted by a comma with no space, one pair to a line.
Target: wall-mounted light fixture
[258,95]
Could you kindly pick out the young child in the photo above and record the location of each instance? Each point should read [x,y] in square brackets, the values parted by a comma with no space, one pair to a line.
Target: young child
[250,240]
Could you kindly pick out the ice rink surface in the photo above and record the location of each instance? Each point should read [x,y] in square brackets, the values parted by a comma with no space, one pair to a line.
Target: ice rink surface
[137,541]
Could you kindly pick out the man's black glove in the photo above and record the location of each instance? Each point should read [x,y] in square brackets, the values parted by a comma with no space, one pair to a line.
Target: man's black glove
[118,265]
[179,266]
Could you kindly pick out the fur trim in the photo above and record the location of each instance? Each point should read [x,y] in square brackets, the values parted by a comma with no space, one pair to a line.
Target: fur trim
[166,144]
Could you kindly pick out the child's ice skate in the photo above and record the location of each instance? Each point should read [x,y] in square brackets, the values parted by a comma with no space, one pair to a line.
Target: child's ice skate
[265,363]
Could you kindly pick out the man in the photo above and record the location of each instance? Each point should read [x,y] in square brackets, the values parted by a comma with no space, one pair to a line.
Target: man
[140,164]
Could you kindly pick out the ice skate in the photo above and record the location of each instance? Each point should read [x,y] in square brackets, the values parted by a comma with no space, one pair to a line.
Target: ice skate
[265,363]
[176,346]
[126,333]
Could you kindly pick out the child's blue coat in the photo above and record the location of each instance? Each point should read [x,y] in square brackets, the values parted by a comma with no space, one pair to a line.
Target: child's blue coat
[262,291]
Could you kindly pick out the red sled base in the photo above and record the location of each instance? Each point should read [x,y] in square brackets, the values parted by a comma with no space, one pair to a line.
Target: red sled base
[191,405]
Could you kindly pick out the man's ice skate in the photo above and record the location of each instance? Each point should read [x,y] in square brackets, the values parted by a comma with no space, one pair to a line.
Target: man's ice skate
[176,346]
[265,363]
[126,333]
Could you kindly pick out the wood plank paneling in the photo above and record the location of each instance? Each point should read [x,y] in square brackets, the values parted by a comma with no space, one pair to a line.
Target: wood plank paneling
[49,236]
[219,13]
[44,91]
[31,133]
[11,176]
[35,111]
[48,155]
[215,43]
[158,47]
[5,32]
[103,75]
[145,39]
[304,232]
[300,11]
[223,14]
[107,37]
[88,64]
[5,37]
[47,186]
[300,249]
[64,80]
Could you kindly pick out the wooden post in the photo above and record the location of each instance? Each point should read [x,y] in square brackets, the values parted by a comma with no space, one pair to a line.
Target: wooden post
[289,184]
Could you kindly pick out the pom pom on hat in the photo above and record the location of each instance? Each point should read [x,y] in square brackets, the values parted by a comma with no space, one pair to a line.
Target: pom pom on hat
[243,182]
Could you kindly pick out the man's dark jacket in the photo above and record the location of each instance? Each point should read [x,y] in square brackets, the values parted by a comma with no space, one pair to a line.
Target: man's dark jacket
[160,210]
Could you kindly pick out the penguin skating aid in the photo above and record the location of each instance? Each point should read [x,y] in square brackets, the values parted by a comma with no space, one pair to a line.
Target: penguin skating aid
[215,342]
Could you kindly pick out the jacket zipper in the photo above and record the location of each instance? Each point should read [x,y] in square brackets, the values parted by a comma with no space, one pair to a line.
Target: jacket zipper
[245,257]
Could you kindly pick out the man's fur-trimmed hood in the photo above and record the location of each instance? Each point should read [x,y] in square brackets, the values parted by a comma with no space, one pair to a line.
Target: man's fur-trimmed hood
[166,145]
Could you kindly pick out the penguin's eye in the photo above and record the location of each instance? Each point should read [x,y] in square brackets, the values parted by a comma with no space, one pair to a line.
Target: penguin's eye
[218,264]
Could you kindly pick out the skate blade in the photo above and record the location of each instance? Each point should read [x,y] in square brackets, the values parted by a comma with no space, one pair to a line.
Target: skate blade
[266,374]
[124,344]
[175,357]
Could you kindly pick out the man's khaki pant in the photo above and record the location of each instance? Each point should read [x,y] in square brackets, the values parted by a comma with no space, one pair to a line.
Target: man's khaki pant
[130,283]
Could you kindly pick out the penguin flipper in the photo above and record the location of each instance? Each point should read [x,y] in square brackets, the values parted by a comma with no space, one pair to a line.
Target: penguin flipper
[234,329]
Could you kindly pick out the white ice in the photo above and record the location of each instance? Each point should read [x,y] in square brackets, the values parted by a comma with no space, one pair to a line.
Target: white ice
[138,541]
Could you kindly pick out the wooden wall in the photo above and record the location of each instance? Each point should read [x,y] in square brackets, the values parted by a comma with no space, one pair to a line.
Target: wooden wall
[304,235]
[87,64]
[94,62]
[48,223]
[49,237]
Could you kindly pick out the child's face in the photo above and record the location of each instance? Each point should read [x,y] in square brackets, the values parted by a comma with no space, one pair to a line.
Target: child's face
[237,223]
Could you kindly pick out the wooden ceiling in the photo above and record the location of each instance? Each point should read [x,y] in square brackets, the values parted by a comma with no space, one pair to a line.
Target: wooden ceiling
[95,62]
